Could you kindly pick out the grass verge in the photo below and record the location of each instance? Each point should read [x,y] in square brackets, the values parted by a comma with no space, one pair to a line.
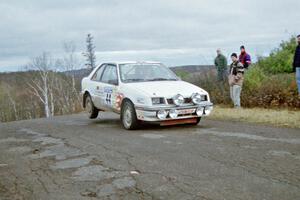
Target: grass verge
[279,118]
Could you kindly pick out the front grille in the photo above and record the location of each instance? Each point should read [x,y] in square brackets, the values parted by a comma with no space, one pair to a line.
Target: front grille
[170,101]
[186,100]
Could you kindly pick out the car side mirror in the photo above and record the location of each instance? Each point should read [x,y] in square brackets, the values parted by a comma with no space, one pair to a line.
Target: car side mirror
[113,82]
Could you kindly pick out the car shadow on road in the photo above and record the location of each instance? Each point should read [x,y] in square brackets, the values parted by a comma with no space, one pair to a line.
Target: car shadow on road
[116,123]
[107,122]
[149,126]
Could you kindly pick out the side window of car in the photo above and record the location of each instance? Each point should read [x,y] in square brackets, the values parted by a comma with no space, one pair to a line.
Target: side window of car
[98,73]
[110,75]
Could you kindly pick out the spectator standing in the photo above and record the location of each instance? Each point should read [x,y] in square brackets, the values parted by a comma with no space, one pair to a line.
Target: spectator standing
[296,64]
[244,57]
[221,65]
[236,78]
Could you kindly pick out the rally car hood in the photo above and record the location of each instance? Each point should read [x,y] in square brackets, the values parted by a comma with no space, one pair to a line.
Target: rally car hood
[166,89]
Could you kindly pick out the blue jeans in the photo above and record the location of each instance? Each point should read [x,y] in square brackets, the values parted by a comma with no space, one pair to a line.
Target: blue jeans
[298,78]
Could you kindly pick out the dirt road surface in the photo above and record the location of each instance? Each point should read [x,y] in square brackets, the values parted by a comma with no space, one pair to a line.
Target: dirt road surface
[71,157]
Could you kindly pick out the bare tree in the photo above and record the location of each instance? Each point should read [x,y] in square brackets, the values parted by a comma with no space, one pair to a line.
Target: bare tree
[70,64]
[9,101]
[70,60]
[90,52]
[41,85]
[8,90]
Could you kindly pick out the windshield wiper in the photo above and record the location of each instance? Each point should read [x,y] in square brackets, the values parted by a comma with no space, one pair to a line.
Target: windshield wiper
[134,80]
[162,79]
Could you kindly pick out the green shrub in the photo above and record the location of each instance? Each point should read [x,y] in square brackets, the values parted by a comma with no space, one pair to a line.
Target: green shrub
[182,74]
[254,77]
[278,90]
[280,59]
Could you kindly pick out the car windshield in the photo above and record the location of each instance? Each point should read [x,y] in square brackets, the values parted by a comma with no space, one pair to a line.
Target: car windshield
[145,72]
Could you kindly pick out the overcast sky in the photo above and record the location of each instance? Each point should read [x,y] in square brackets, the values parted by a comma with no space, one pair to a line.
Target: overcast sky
[174,32]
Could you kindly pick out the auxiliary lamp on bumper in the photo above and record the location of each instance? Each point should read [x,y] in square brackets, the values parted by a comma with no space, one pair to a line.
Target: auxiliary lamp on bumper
[178,100]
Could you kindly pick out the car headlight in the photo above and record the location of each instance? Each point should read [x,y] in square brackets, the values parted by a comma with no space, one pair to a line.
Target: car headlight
[196,98]
[158,100]
[178,100]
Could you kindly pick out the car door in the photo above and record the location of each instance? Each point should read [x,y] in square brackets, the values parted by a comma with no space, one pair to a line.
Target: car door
[96,87]
[109,80]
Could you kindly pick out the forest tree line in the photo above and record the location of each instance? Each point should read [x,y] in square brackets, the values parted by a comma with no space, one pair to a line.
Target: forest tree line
[18,99]
[48,87]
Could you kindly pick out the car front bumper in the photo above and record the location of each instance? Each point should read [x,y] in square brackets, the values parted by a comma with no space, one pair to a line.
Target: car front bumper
[150,113]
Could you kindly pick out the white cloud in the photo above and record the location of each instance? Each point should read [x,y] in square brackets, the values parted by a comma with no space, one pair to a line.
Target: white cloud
[183,32]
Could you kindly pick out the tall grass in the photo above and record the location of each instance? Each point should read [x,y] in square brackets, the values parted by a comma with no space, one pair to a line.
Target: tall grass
[280,118]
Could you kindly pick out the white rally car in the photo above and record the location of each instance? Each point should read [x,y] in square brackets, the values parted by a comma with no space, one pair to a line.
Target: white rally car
[143,92]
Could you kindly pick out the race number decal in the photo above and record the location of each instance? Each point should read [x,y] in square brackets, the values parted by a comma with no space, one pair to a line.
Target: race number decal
[108,99]
[108,95]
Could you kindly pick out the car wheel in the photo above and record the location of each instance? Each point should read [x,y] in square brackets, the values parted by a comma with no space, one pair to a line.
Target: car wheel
[128,116]
[197,122]
[90,108]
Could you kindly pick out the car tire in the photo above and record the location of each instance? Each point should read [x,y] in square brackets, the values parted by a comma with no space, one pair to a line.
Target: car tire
[197,122]
[90,108]
[128,116]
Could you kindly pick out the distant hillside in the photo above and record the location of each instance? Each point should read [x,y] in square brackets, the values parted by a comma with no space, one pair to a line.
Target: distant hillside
[78,73]
[192,72]
[192,68]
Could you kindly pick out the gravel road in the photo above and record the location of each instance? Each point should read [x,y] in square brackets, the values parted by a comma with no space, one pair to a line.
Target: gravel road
[71,157]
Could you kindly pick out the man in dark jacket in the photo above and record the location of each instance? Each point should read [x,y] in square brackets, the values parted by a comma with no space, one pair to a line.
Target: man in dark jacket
[296,64]
[221,65]
[244,57]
